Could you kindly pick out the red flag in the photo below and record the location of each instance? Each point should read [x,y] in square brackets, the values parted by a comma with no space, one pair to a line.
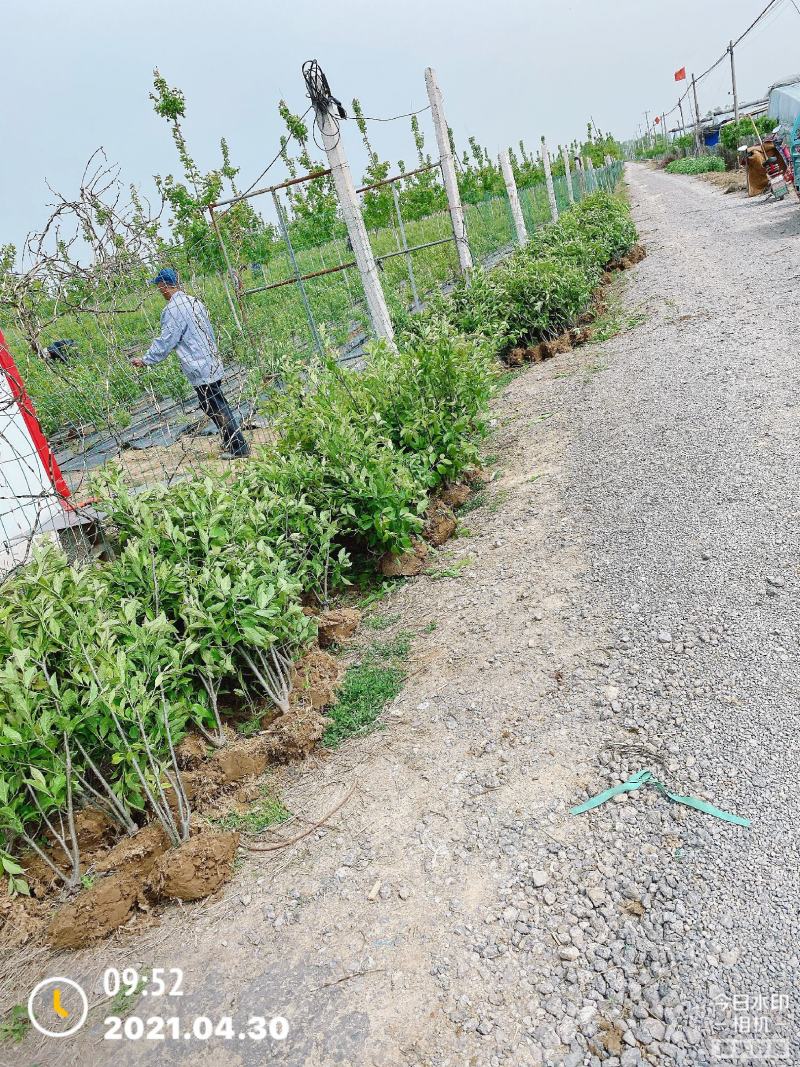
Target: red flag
[680,75]
[658,119]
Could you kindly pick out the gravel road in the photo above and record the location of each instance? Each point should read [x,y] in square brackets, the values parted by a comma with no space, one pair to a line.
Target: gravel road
[626,599]
[685,481]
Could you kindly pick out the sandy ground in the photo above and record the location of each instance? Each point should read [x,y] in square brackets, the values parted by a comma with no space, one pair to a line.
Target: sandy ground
[729,181]
[614,589]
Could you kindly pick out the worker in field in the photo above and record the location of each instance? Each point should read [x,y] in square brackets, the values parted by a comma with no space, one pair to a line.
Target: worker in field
[186,328]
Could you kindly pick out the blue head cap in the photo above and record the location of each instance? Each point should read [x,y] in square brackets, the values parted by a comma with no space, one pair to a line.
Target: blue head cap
[167,276]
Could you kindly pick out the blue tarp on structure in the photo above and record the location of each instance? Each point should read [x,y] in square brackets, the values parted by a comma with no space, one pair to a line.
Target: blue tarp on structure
[784,103]
[711,138]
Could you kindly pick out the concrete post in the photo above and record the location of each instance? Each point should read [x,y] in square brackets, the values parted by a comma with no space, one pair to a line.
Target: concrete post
[448,172]
[513,198]
[581,177]
[733,85]
[568,175]
[548,178]
[357,231]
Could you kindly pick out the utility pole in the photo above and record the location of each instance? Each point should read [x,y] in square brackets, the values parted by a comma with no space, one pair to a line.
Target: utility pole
[733,84]
[683,120]
[696,116]
[647,123]
[664,127]
[449,172]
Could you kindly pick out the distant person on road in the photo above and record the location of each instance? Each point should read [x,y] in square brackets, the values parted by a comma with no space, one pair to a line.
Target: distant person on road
[186,328]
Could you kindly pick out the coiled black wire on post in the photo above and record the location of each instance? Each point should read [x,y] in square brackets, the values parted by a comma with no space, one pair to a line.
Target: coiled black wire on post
[321,97]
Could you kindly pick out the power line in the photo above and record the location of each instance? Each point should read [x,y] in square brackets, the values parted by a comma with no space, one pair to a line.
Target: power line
[393,118]
[271,163]
[773,4]
[756,21]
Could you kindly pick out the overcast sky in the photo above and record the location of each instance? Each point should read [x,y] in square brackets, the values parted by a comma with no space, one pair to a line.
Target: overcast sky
[76,76]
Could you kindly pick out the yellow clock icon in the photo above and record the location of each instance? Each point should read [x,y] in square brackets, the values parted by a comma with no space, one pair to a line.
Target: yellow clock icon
[57,1007]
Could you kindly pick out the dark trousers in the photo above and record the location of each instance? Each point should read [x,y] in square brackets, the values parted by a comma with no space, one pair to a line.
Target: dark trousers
[213,402]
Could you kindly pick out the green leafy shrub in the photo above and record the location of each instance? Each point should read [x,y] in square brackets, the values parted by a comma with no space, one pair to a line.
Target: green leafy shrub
[430,400]
[733,134]
[696,165]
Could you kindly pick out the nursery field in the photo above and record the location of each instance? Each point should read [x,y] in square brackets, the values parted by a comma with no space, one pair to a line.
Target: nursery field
[98,387]
[199,635]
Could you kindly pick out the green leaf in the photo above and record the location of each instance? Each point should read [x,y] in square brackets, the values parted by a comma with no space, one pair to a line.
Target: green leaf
[38,778]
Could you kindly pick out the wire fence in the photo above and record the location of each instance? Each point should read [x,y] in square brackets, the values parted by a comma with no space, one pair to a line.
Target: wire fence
[72,400]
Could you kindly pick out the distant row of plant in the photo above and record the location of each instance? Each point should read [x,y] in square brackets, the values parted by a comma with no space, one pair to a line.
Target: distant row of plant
[731,135]
[696,165]
[541,288]
[662,147]
[314,215]
[106,666]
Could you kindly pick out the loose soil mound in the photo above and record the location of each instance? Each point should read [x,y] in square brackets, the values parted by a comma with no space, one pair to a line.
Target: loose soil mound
[192,750]
[235,762]
[135,855]
[477,476]
[94,829]
[636,255]
[294,735]
[196,868]
[21,919]
[731,181]
[95,832]
[515,357]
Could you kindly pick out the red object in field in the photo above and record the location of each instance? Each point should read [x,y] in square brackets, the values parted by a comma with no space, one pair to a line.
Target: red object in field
[680,75]
[9,368]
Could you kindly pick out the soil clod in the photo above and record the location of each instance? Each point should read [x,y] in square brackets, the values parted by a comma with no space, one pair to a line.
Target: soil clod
[440,523]
[455,495]
[337,626]
[95,912]
[196,868]
[404,564]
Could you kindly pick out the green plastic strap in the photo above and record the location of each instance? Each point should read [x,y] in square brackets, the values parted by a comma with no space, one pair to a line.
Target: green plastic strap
[709,809]
[641,778]
[635,780]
